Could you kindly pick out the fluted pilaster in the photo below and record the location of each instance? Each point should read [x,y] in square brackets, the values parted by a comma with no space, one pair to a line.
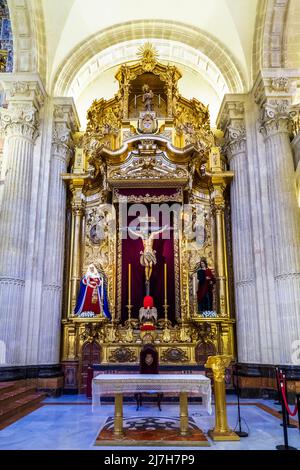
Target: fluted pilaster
[20,124]
[285,221]
[232,123]
[65,123]
[242,239]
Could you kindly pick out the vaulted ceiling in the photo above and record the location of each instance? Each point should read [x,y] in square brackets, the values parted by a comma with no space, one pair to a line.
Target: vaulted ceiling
[86,40]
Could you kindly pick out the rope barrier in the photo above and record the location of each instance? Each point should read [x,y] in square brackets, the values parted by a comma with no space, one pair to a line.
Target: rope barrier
[282,381]
[291,413]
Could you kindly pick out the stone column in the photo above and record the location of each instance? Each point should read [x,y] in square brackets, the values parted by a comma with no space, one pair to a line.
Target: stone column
[20,124]
[296,148]
[64,124]
[233,125]
[285,223]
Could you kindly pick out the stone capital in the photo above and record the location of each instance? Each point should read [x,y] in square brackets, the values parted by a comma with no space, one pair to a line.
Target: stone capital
[65,124]
[231,121]
[20,120]
[24,95]
[276,117]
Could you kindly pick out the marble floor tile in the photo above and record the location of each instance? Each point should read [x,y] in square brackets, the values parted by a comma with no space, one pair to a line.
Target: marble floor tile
[70,422]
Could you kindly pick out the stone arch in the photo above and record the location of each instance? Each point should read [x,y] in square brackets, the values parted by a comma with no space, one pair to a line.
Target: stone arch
[142,29]
[291,39]
[270,33]
[29,37]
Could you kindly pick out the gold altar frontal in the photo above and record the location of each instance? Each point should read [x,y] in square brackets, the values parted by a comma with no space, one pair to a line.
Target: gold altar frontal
[147,145]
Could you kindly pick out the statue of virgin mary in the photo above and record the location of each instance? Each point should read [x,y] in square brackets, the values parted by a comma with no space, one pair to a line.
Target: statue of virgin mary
[92,297]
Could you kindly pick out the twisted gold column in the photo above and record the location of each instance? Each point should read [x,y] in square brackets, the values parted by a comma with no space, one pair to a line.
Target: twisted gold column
[221,431]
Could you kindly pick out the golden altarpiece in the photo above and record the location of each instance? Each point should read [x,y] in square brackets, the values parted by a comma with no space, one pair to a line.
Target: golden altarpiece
[147,145]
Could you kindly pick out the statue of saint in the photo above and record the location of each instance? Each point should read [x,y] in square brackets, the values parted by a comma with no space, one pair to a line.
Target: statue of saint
[206,283]
[147,98]
[148,256]
[92,297]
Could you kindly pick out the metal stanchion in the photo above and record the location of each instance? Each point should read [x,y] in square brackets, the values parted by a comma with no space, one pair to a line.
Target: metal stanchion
[288,424]
[240,433]
[284,424]
[278,386]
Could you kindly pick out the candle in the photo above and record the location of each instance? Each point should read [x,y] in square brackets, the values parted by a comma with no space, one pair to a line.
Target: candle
[165,283]
[135,101]
[129,284]
[159,100]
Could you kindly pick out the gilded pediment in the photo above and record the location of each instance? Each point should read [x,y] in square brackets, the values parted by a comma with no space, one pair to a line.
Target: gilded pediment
[146,168]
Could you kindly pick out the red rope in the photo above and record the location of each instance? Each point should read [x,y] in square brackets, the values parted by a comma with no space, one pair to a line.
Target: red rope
[291,413]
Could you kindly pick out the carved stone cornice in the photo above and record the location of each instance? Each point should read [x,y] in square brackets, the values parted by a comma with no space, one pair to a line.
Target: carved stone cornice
[232,112]
[270,86]
[22,88]
[276,118]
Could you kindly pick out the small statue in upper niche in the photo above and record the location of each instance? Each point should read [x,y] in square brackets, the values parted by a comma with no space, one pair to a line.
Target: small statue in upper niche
[147,98]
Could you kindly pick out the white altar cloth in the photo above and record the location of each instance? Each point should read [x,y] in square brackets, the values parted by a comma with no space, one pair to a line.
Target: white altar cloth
[139,383]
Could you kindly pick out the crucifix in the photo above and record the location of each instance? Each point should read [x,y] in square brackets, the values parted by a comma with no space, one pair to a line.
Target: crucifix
[148,255]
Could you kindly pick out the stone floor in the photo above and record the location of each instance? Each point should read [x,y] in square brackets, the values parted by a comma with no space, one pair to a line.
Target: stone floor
[69,422]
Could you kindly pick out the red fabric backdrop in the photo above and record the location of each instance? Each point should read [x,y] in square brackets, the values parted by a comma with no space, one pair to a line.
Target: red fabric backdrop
[164,246]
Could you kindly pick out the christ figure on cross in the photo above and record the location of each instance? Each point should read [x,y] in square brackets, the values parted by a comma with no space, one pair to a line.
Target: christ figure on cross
[148,255]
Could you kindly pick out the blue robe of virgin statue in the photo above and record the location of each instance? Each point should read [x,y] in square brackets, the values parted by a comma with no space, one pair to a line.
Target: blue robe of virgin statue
[92,297]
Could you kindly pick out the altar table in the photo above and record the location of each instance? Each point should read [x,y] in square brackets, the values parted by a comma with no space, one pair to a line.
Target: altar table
[118,384]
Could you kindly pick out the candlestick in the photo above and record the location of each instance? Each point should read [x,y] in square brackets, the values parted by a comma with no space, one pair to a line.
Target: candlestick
[165,283]
[129,284]
[166,295]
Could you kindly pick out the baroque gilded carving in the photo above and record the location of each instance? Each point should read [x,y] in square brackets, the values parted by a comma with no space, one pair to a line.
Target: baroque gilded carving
[218,365]
[174,355]
[147,167]
[92,332]
[122,354]
[176,197]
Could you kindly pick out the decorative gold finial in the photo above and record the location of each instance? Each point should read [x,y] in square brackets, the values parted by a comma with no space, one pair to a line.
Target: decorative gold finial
[148,56]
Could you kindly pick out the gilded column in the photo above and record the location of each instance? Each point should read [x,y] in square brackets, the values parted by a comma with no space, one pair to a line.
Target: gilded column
[221,431]
[233,125]
[20,123]
[285,223]
[65,122]
[219,183]
[77,227]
